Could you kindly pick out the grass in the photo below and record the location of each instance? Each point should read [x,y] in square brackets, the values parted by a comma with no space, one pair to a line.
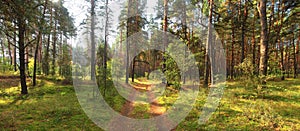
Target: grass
[47,107]
[242,108]
[54,106]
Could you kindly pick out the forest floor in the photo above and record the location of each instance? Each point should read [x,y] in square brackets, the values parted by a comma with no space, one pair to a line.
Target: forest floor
[53,105]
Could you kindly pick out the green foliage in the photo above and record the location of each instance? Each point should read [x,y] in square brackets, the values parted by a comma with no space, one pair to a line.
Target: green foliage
[65,63]
[263,115]
[30,66]
[172,72]
[55,107]
[101,75]
[5,67]
[246,68]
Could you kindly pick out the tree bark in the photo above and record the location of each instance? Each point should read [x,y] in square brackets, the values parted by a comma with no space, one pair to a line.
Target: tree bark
[297,52]
[46,60]
[21,35]
[244,32]
[54,46]
[263,39]
[208,44]
[39,41]
[128,31]
[105,44]
[232,48]
[254,43]
[15,51]
[35,59]
[184,26]
[9,53]
[93,43]
[165,38]
[3,53]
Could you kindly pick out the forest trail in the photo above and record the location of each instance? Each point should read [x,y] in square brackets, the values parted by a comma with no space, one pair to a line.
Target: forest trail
[128,109]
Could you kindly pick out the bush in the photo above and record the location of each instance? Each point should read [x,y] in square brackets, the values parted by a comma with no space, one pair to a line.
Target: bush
[263,116]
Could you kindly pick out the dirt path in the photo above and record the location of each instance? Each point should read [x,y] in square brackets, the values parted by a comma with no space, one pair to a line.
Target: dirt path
[156,109]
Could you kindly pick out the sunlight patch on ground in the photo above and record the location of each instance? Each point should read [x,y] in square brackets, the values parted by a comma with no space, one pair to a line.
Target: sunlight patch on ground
[12,90]
[4,101]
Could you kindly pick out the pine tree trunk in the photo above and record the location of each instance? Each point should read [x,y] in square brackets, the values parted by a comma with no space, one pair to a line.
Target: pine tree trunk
[21,36]
[3,53]
[232,49]
[254,44]
[282,59]
[297,53]
[208,44]
[46,60]
[184,26]
[263,39]
[39,41]
[93,43]
[287,59]
[15,52]
[128,30]
[35,59]
[105,44]
[9,54]
[244,32]
[165,38]
[54,47]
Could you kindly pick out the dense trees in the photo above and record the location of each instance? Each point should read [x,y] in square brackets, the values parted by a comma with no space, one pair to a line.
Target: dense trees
[254,31]
[25,25]
[263,32]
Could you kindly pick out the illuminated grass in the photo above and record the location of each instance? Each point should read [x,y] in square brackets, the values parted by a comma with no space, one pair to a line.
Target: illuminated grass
[51,106]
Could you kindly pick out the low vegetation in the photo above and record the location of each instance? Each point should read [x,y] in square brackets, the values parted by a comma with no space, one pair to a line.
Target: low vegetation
[54,106]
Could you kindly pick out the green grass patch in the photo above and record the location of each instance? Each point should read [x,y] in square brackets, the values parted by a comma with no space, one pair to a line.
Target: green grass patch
[54,106]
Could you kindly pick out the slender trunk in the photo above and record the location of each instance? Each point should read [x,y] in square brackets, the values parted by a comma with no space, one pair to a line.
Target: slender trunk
[60,53]
[165,37]
[27,60]
[208,44]
[278,38]
[40,53]
[93,43]
[165,29]
[21,36]
[133,68]
[39,40]
[282,59]
[294,57]
[254,43]
[244,32]
[128,31]
[15,52]
[165,19]
[3,53]
[105,44]
[297,53]
[35,59]
[136,29]
[46,61]
[287,59]
[185,38]
[232,49]
[54,47]
[9,53]
[121,43]
[271,23]
[232,41]
[263,39]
